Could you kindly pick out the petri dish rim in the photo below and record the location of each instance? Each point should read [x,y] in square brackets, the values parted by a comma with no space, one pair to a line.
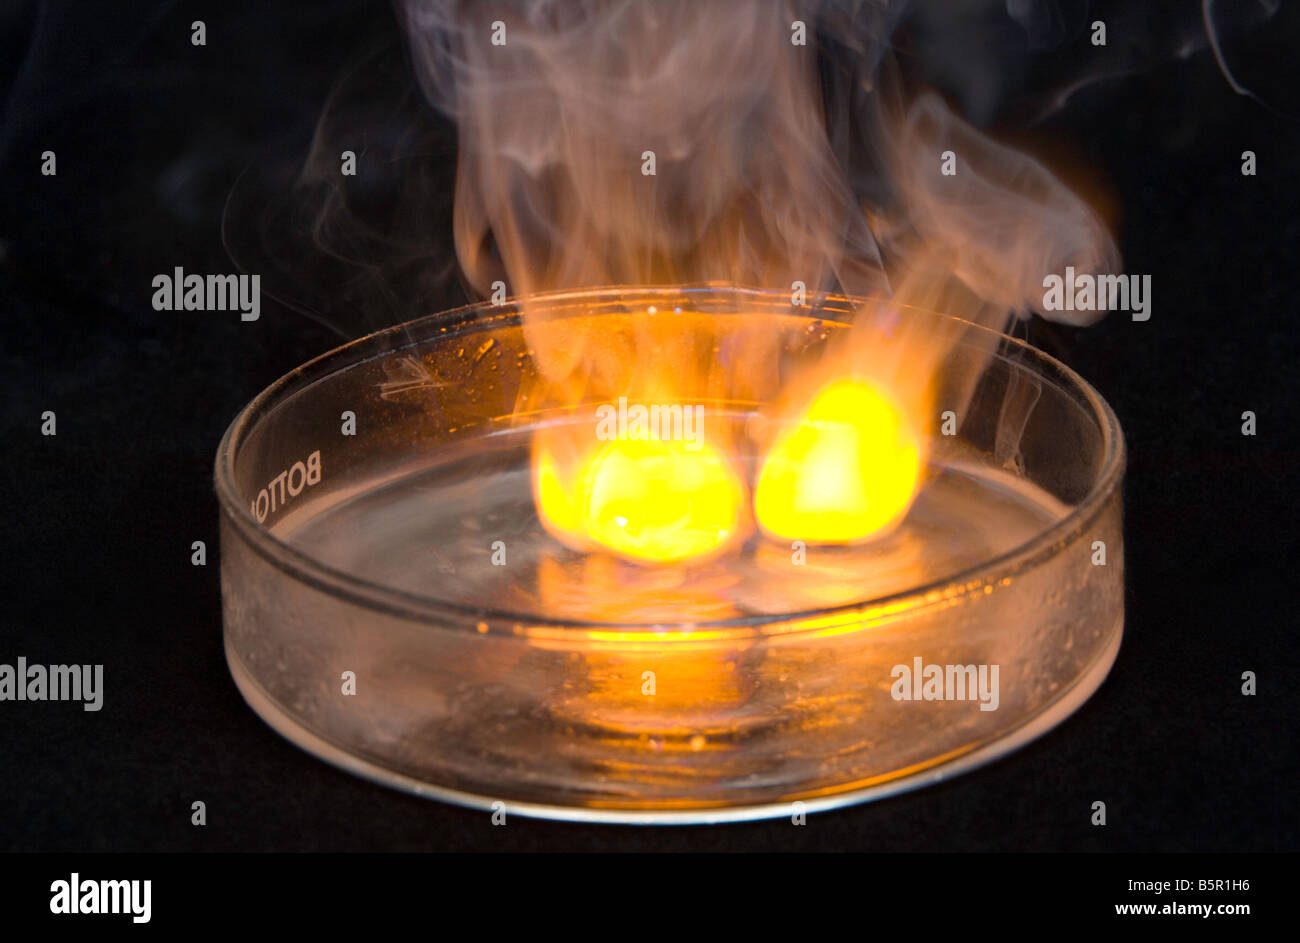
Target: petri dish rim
[484,315]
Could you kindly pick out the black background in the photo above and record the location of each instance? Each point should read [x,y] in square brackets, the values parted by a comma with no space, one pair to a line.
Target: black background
[152,134]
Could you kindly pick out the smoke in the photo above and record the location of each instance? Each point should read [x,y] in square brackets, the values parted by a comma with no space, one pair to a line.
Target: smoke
[557,126]
[764,174]
[775,162]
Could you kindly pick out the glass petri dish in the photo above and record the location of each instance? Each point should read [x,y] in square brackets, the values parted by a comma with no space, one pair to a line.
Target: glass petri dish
[393,605]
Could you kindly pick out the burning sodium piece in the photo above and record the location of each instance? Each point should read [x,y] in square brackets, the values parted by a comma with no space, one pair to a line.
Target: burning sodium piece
[847,470]
[656,501]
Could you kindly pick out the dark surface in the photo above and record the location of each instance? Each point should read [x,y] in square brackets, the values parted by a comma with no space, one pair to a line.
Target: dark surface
[151,136]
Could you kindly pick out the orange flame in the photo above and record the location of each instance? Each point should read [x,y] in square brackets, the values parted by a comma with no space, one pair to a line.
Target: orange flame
[848,469]
[606,143]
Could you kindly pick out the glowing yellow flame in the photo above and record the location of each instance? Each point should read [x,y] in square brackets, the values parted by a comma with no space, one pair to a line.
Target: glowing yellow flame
[654,501]
[848,469]
[554,496]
